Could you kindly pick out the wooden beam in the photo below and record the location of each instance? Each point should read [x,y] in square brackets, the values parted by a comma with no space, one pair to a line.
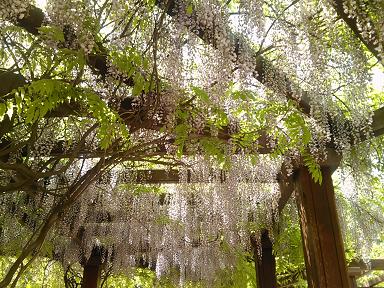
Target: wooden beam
[287,183]
[33,21]
[371,282]
[322,241]
[286,190]
[373,42]
[286,186]
[162,176]
[372,264]
[281,82]
[375,280]
[264,70]
[352,281]
[378,122]
[97,62]
[214,32]
[355,271]
[91,276]
[376,264]
[10,81]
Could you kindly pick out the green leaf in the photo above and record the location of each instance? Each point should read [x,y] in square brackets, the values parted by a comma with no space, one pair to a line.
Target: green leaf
[139,84]
[214,147]
[3,109]
[53,32]
[189,9]
[181,132]
[9,109]
[244,95]
[313,167]
[201,94]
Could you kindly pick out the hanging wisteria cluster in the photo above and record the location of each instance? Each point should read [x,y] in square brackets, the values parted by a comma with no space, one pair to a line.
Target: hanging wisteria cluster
[325,78]
[13,9]
[194,227]
[360,214]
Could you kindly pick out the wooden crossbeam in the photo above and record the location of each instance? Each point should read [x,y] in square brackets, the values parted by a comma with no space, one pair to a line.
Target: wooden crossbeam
[98,62]
[375,281]
[355,271]
[378,122]
[264,70]
[371,264]
[281,83]
[372,43]
[162,176]
[10,81]
[376,264]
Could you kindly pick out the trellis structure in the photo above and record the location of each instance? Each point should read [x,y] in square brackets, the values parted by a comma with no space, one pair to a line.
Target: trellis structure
[322,241]
[357,269]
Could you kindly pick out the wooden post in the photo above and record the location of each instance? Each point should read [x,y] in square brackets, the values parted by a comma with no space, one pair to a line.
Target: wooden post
[353,273]
[322,242]
[265,265]
[92,269]
[352,281]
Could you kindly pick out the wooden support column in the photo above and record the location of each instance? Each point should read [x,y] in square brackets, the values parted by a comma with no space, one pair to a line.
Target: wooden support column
[322,242]
[92,269]
[352,281]
[265,264]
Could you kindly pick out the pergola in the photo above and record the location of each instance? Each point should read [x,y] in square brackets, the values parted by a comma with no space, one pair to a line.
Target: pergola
[321,236]
[358,269]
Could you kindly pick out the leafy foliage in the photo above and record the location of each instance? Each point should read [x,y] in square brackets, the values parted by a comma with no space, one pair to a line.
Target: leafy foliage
[34,101]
